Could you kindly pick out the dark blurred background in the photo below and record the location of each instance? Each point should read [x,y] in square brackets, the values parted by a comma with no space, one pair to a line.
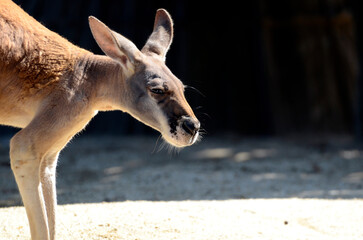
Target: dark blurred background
[260,67]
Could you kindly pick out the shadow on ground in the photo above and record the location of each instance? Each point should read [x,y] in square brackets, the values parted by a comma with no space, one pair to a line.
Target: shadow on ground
[104,169]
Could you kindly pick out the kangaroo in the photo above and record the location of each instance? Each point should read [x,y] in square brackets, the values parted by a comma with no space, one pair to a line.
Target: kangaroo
[51,89]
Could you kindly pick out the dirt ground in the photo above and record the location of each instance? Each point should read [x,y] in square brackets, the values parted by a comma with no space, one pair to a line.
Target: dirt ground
[224,187]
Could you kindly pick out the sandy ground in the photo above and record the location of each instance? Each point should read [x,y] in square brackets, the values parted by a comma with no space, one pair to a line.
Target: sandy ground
[203,220]
[223,188]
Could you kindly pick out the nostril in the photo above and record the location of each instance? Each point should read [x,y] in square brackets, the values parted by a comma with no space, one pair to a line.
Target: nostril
[189,127]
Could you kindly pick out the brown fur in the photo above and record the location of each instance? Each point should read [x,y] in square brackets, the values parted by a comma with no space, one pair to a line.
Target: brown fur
[51,89]
[39,55]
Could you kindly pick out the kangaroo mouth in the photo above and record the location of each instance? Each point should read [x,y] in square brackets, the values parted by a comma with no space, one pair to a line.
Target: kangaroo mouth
[182,132]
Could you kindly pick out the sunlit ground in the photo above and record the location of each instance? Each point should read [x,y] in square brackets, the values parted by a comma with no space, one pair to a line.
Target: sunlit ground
[202,220]
[222,188]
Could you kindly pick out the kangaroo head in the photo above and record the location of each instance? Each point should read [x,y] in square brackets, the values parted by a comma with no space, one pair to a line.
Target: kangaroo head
[154,95]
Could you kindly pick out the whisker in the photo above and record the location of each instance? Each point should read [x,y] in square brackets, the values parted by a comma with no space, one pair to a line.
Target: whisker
[204,114]
[162,145]
[173,151]
[203,131]
[156,144]
[187,87]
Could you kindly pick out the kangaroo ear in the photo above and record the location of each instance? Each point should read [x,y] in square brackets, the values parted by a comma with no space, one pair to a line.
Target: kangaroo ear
[114,44]
[160,39]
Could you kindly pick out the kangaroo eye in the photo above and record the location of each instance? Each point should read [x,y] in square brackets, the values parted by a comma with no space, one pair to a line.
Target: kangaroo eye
[157,91]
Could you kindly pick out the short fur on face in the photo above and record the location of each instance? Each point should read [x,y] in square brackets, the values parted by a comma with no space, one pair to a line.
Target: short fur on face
[156,96]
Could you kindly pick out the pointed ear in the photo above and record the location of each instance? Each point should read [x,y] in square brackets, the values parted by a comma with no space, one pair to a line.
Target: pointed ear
[114,44]
[159,41]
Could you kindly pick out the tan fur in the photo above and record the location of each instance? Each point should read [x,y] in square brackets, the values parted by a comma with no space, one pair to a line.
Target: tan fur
[41,57]
[51,89]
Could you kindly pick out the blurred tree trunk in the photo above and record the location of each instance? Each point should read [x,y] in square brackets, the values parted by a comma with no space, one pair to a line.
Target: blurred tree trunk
[319,95]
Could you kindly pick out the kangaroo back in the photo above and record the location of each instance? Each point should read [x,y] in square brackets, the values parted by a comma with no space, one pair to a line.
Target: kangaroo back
[37,56]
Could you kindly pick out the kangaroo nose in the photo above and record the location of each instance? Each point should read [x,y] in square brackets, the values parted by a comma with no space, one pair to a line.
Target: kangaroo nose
[191,126]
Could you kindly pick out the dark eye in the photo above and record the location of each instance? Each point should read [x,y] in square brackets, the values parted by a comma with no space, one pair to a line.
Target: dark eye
[157,91]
